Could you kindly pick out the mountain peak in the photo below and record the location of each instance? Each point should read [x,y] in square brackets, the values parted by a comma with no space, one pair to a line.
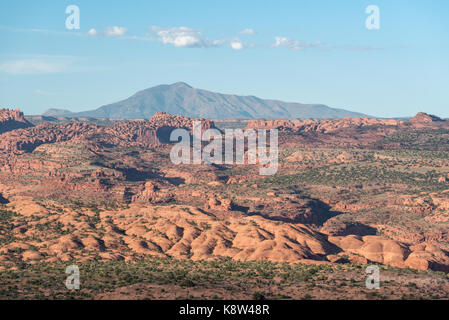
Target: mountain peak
[181,99]
[181,84]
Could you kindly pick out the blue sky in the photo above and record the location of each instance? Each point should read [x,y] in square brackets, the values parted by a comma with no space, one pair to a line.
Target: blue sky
[301,51]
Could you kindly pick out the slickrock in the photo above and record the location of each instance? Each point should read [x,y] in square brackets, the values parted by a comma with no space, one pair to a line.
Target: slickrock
[92,243]
[374,248]
[65,243]
[28,207]
[426,256]
[174,231]
[31,255]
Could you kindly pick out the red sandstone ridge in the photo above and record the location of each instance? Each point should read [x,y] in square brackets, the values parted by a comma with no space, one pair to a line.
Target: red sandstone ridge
[421,120]
[27,139]
[320,126]
[155,131]
[161,119]
[11,120]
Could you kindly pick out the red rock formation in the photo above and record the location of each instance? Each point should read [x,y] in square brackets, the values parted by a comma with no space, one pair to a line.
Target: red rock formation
[424,120]
[320,126]
[422,117]
[26,140]
[349,132]
[216,203]
[421,120]
[147,193]
[11,120]
[153,132]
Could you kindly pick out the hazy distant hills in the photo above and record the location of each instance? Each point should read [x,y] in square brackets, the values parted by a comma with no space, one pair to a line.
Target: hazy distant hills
[182,99]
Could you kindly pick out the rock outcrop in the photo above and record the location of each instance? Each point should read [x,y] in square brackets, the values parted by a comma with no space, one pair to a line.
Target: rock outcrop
[319,126]
[390,252]
[421,120]
[155,131]
[11,120]
[422,117]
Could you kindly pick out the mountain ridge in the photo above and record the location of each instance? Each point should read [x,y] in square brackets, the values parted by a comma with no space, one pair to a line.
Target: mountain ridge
[182,99]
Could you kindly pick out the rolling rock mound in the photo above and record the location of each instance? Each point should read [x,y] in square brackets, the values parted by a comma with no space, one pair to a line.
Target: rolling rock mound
[390,252]
[188,232]
[11,120]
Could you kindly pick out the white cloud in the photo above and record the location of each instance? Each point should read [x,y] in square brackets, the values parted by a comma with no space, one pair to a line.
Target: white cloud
[247,31]
[294,44]
[236,45]
[43,65]
[109,32]
[182,37]
[115,31]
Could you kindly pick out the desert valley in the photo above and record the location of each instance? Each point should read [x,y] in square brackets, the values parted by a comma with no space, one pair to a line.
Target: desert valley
[103,194]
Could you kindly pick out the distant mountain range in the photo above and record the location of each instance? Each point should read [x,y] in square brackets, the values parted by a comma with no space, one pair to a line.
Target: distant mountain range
[181,99]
